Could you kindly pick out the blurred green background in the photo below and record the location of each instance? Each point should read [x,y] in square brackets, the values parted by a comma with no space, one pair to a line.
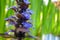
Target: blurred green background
[45,18]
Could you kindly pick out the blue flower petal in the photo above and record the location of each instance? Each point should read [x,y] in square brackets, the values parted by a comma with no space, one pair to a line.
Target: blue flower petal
[7,19]
[12,23]
[27,25]
[13,17]
[29,11]
[26,15]
[12,31]
[13,7]
[26,1]
[6,33]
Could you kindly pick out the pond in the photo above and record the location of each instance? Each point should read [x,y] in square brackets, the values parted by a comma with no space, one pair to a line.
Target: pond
[50,37]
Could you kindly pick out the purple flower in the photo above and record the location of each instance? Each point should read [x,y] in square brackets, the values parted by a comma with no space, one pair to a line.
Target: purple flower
[26,1]
[13,7]
[12,31]
[10,18]
[26,24]
[6,33]
[29,11]
[19,20]
[7,19]
[26,15]
[13,23]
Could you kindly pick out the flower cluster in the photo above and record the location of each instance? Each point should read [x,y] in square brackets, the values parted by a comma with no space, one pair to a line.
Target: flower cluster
[20,18]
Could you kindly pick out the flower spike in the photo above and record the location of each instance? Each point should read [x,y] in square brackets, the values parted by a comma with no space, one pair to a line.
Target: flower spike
[20,21]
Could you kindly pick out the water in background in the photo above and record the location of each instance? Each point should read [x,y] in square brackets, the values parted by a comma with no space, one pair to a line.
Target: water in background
[50,37]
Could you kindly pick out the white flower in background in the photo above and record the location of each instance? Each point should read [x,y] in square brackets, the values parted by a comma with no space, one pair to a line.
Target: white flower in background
[46,1]
[54,0]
